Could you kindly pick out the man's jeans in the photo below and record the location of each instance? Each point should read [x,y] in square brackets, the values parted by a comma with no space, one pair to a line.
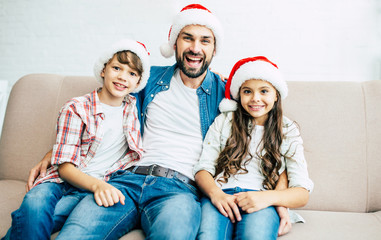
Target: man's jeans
[165,208]
[44,210]
[259,225]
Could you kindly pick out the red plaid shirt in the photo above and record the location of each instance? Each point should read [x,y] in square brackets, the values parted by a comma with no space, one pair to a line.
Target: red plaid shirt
[80,132]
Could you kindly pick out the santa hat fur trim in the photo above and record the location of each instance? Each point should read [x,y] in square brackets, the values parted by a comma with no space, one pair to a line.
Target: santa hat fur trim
[194,14]
[251,68]
[123,45]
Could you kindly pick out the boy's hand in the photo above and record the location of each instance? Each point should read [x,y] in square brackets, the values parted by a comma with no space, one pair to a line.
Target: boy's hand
[227,206]
[107,195]
[253,201]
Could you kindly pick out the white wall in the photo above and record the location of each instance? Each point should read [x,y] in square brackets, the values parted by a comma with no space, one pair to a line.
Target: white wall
[309,40]
[325,40]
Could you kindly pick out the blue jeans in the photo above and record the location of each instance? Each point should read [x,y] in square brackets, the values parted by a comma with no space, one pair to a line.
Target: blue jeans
[44,210]
[259,225]
[165,208]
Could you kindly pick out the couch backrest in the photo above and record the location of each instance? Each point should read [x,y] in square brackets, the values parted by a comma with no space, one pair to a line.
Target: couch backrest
[339,124]
[31,116]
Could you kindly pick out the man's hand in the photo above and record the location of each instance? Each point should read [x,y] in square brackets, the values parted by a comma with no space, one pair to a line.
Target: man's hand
[224,79]
[38,170]
[285,222]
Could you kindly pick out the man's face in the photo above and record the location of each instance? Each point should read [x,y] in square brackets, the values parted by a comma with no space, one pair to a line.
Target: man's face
[195,48]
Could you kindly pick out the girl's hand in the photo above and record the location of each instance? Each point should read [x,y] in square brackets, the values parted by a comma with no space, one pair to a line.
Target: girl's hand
[253,201]
[107,195]
[227,206]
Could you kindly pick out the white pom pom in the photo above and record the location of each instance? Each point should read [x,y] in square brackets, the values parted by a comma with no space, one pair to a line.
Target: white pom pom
[167,50]
[227,105]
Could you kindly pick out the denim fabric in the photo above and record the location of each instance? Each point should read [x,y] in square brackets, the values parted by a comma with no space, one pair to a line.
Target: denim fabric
[210,93]
[165,208]
[44,210]
[259,225]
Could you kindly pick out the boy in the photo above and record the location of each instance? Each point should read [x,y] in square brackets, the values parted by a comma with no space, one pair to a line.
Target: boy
[97,135]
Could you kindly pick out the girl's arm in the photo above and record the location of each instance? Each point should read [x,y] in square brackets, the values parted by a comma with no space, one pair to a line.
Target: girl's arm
[290,198]
[225,203]
[104,194]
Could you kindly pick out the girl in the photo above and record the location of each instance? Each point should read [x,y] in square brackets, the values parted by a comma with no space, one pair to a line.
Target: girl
[245,152]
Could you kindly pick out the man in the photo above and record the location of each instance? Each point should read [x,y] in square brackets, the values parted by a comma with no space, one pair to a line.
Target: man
[177,107]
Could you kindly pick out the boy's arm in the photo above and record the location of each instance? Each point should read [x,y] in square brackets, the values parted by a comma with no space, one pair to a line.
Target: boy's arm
[104,194]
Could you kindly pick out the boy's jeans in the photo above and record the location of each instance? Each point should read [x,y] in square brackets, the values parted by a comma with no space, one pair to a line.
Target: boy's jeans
[44,210]
[259,225]
[165,208]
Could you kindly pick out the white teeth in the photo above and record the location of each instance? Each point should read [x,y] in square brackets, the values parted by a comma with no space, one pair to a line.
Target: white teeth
[119,85]
[256,107]
[194,59]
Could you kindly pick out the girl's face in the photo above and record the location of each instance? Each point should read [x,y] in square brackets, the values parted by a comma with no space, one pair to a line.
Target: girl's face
[258,98]
[119,80]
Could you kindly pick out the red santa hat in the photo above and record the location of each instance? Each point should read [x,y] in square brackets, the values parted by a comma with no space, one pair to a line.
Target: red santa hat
[251,68]
[123,45]
[193,14]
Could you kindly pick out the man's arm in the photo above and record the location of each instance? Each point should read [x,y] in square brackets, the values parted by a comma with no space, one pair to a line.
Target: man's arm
[39,170]
[285,221]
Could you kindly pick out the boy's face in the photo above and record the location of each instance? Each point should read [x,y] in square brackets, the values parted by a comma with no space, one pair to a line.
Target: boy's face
[119,80]
[194,50]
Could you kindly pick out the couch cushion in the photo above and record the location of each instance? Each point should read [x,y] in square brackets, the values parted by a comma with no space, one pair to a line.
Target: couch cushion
[11,194]
[332,119]
[336,225]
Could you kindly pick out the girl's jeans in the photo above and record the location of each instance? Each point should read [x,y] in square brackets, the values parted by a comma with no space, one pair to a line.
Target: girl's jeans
[259,225]
[44,210]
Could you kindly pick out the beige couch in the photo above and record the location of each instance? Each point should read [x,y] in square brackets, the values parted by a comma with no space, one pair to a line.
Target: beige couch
[340,123]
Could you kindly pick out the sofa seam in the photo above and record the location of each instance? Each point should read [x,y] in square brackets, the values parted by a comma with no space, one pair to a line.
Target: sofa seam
[366,146]
[56,103]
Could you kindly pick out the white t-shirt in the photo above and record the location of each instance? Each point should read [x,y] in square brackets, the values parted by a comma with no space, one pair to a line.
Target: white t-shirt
[172,131]
[114,144]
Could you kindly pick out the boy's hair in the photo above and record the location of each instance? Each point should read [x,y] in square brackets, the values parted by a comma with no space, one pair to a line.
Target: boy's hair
[134,50]
[236,155]
[129,58]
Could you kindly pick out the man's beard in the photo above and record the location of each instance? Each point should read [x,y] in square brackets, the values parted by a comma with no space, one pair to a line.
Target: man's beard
[192,72]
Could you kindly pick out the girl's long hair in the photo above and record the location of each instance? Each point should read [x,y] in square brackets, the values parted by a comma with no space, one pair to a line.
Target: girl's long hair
[236,155]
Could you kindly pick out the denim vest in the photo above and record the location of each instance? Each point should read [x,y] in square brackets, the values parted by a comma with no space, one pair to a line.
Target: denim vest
[210,93]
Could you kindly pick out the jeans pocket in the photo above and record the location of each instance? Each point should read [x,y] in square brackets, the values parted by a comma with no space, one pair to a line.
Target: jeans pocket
[192,188]
[119,173]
